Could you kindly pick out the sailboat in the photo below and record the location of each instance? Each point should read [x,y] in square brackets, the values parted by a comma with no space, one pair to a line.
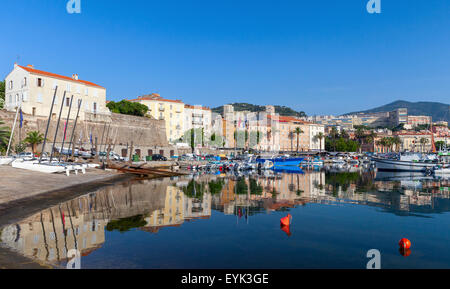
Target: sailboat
[7,159]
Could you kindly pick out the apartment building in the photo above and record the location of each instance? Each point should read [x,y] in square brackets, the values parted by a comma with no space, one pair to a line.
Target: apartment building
[171,111]
[34,90]
[198,118]
[246,129]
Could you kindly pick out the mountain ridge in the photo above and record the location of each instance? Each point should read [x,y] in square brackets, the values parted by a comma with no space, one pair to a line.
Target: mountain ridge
[437,110]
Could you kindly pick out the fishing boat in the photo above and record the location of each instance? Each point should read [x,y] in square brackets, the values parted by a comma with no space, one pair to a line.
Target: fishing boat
[281,161]
[407,162]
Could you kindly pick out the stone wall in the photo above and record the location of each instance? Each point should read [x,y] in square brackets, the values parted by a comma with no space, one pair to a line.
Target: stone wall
[144,132]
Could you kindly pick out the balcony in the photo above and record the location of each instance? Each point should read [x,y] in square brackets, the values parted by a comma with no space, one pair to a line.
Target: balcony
[161,108]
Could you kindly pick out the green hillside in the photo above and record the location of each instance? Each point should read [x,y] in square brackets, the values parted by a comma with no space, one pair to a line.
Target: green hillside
[282,110]
[438,111]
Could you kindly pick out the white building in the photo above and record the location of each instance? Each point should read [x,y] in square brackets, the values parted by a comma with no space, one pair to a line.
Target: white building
[198,117]
[314,142]
[36,88]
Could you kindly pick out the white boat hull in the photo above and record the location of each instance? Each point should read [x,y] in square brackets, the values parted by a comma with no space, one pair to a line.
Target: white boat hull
[34,166]
[394,165]
[6,160]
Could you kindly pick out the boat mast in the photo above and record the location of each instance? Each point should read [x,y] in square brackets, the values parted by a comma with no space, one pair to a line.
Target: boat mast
[14,125]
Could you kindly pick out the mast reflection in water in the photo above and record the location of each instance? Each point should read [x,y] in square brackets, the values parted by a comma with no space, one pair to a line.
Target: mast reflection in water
[230,221]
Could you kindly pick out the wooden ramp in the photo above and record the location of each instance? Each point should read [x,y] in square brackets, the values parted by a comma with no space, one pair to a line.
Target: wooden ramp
[142,170]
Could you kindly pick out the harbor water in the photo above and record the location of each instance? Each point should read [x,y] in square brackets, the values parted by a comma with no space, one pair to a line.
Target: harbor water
[233,221]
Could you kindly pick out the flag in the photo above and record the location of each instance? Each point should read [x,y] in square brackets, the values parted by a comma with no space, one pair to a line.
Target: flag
[21,118]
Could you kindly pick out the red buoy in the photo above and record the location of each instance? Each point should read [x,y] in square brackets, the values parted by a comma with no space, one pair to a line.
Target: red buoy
[286,221]
[404,243]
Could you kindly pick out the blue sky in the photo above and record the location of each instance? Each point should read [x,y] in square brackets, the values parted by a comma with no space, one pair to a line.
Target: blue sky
[323,57]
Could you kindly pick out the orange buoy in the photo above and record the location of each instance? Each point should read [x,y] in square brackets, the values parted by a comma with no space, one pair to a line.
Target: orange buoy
[286,221]
[404,243]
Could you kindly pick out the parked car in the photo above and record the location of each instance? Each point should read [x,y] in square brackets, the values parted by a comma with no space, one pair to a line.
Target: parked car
[158,157]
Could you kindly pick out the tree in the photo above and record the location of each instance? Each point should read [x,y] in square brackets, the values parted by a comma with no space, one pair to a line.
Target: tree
[334,134]
[397,142]
[4,137]
[320,136]
[423,141]
[439,144]
[2,93]
[239,135]
[370,138]
[291,137]
[128,107]
[298,131]
[34,138]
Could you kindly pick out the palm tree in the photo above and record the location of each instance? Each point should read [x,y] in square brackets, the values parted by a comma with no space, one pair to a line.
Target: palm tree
[360,136]
[4,136]
[291,137]
[298,131]
[334,134]
[320,136]
[370,138]
[423,142]
[397,142]
[34,138]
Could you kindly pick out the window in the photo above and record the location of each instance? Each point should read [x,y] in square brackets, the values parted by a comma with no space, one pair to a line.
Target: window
[68,87]
[39,97]
[67,101]
[54,84]
[94,106]
[95,93]
[10,85]
[86,91]
[34,111]
[24,81]
[78,89]
[40,82]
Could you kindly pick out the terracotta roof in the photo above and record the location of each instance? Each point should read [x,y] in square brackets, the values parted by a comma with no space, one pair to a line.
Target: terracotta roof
[156,97]
[40,72]
[198,107]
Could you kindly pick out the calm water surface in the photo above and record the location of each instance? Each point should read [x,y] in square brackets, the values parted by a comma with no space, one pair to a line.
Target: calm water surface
[229,221]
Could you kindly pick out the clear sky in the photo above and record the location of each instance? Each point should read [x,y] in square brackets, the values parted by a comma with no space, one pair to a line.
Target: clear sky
[320,56]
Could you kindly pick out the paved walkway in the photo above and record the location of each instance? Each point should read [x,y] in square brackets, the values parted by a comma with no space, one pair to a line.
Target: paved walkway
[18,183]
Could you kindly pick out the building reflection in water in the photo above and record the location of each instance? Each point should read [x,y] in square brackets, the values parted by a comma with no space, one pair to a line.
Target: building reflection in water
[150,205]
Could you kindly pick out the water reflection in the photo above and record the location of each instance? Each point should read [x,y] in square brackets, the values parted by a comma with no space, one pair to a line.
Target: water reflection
[150,205]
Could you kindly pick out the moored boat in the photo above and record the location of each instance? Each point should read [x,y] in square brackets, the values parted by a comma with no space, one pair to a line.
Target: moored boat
[409,162]
[282,161]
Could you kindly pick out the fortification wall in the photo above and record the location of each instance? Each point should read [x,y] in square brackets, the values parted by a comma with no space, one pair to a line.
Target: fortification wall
[144,132]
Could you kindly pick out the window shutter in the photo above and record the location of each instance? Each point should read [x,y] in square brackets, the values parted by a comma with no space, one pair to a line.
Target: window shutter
[42,81]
